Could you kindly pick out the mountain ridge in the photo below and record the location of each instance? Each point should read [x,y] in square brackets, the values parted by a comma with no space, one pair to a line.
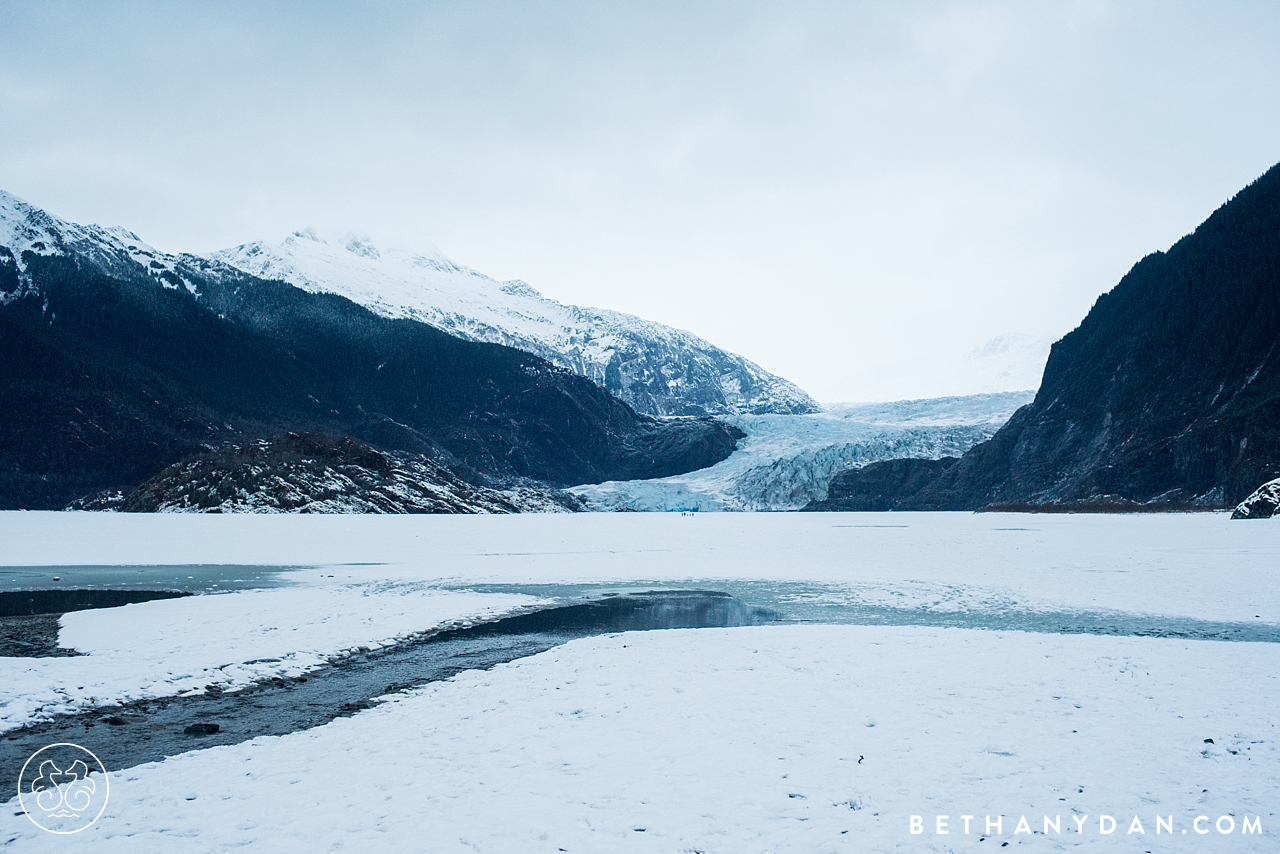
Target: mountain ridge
[657,369]
[1166,396]
[121,360]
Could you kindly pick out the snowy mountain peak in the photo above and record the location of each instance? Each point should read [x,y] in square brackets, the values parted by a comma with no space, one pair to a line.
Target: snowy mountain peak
[123,234]
[518,288]
[655,368]
[362,247]
[25,228]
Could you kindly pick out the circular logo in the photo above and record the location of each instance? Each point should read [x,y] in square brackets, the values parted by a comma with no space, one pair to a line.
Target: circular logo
[63,788]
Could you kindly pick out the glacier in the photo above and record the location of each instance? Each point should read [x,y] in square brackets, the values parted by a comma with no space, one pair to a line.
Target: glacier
[787,461]
[657,369]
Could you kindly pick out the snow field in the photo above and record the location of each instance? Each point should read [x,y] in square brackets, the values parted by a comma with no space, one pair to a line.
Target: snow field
[798,738]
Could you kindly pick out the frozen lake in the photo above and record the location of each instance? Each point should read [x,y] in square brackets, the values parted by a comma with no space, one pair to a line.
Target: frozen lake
[1199,566]
[927,664]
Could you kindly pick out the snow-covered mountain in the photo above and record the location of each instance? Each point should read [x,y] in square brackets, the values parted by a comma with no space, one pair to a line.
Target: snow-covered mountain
[25,228]
[655,368]
[786,461]
[120,361]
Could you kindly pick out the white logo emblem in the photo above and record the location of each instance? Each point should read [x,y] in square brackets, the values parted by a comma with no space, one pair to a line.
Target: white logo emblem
[63,788]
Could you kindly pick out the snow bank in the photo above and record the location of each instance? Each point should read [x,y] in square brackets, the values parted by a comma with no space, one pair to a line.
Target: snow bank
[748,740]
[168,647]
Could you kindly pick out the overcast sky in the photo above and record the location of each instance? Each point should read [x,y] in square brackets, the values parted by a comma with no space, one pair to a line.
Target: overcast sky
[853,195]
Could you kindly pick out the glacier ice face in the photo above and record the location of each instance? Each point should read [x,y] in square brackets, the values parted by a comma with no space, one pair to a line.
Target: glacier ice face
[787,461]
[655,368]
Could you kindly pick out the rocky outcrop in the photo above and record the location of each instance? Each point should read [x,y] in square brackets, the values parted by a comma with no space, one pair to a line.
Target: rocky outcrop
[1167,396]
[1261,504]
[309,473]
[876,487]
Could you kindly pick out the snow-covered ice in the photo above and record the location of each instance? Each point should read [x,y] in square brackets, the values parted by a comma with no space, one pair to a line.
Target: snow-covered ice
[775,738]
[174,646]
[740,740]
[1196,565]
